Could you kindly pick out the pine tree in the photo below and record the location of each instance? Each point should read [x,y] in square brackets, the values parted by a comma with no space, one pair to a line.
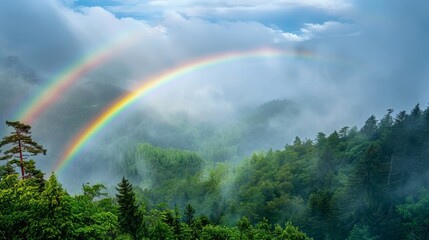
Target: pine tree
[416,112]
[129,218]
[22,144]
[177,228]
[189,214]
[370,127]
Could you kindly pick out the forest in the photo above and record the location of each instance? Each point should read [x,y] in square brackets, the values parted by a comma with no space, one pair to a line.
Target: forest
[370,182]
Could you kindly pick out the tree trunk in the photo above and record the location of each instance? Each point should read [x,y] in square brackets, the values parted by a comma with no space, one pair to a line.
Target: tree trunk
[21,159]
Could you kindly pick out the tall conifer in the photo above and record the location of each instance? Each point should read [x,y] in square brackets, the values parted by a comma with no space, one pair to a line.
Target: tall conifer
[129,217]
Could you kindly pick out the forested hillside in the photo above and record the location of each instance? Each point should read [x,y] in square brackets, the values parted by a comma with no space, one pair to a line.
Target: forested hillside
[369,182]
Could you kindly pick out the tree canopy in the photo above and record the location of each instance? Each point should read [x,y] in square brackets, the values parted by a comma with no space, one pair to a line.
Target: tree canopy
[21,146]
[367,183]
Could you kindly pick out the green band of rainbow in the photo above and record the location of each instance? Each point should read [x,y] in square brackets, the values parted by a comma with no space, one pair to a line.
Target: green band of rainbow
[150,85]
[59,84]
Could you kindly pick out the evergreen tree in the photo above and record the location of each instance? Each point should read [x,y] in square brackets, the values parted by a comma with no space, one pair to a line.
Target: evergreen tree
[400,117]
[129,218]
[177,229]
[416,112]
[370,127]
[22,144]
[360,233]
[189,214]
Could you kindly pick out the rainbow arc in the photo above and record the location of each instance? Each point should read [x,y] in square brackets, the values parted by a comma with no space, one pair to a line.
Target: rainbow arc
[152,84]
[64,80]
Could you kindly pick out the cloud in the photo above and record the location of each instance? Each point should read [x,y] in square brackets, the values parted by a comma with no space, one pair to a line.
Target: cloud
[393,52]
[326,29]
[255,10]
[36,32]
[201,7]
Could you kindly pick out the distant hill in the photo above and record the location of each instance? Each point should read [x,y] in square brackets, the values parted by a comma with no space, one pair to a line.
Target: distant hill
[260,129]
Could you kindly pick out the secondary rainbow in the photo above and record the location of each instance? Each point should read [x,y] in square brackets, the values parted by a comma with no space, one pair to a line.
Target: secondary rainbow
[151,84]
[59,84]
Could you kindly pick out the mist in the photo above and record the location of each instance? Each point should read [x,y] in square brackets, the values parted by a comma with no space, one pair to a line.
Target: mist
[370,57]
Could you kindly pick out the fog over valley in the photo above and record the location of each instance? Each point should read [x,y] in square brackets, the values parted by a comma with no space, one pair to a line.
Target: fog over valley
[151,90]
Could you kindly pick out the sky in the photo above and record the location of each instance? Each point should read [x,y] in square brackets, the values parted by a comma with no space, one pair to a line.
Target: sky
[366,57]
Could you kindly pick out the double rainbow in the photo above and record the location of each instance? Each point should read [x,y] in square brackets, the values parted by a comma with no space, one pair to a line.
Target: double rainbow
[150,85]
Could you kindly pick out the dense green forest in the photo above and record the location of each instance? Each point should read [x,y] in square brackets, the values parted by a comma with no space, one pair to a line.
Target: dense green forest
[370,182]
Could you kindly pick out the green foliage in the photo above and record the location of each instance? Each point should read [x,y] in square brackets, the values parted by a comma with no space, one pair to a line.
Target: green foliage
[19,202]
[21,145]
[171,175]
[351,184]
[369,129]
[245,228]
[95,216]
[189,214]
[53,220]
[128,214]
[291,232]
[360,233]
[28,213]
[167,164]
[158,226]
[6,170]
[415,215]
[94,191]
[211,232]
